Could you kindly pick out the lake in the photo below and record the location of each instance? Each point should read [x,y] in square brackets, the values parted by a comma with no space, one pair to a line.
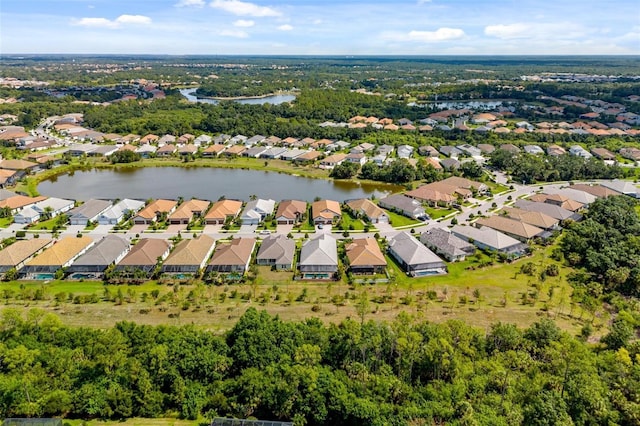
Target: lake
[189,94]
[206,183]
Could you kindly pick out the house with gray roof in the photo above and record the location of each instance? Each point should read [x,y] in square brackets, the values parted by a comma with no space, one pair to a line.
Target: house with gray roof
[450,151]
[405,151]
[92,264]
[450,164]
[533,149]
[254,152]
[622,186]
[277,251]
[552,210]
[254,140]
[470,150]
[486,238]
[114,214]
[446,244]
[273,153]
[202,140]
[319,258]
[88,212]
[404,205]
[52,206]
[256,210]
[415,258]
[292,154]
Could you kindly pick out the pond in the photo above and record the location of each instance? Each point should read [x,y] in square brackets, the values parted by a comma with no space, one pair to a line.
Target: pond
[190,95]
[206,183]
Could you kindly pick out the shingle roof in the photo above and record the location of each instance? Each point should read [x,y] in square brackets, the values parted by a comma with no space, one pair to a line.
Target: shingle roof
[61,252]
[367,207]
[486,236]
[191,252]
[223,208]
[187,209]
[321,250]
[538,219]
[238,252]
[445,242]
[161,206]
[325,209]
[291,209]
[105,252]
[21,250]
[510,226]
[556,212]
[410,250]
[146,252]
[365,252]
[279,247]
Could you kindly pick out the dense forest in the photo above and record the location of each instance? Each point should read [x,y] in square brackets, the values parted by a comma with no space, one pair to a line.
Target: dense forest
[354,373]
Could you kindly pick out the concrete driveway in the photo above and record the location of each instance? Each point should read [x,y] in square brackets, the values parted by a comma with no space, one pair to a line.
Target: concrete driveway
[137,229]
[284,229]
[102,229]
[174,229]
[248,229]
[212,229]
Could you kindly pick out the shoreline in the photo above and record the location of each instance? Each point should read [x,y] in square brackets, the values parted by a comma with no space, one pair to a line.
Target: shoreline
[30,186]
[240,98]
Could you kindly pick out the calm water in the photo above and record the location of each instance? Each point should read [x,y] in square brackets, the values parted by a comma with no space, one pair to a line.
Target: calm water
[275,99]
[207,183]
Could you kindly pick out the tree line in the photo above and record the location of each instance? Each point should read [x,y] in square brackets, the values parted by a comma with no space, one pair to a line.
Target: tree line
[352,373]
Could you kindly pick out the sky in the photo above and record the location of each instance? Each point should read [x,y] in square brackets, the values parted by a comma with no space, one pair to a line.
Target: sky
[321,27]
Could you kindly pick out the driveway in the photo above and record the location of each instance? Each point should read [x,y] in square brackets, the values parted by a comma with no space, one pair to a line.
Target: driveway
[73,229]
[174,229]
[383,227]
[248,229]
[284,229]
[102,229]
[137,229]
[212,229]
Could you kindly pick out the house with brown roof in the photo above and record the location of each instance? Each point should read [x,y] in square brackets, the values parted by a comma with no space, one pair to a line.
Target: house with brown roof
[512,227]
[166,150]
[310,157]
[365,256]
[8,177]
[366,208]
[213,150]
[60,255]
[555,150]
[222,210]
[557,200]
[539,219]
[150,138]
[234,150]
[232,257]
[154,210]
[17,254]
[188,149]
[189,256]
[19,165]
[18,202]
[188,210]
[595,190]
[333,160]
[291,212]
[143,257]
[326,212]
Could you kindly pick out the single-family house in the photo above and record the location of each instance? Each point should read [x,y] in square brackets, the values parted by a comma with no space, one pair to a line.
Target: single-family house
[325,212]
[486,148]
[166,139]
[319,258]
[254,152]
[552,210]
[114,214]
[221,139]
[356,158]
[254,140]
[450,151]
[622,186]
[154,210]
[414,257]
[17,254]
[450,164]
[470,150]
[143,257]
[189,256]
[277,251]
[213,150]
[146,151]
[603,154]
[188,149]
[222,210]
[446,244]
[557,200]
[232,257]
[273,153]
[88,212]
[509,147]
[405,151]
[202,140]
[292,154]
[256,210]
[333,160]
[308,157]
[538,219]
[365,256]
[366,208]
[428,151]
[579,151]
[52,207]
[60,255]
[166,150]
[486,238]
[533,149]
[188,210]
[404,205]
[598,191]
[291,212]
[513,227]
[555,150]
[92,264]
[18,202]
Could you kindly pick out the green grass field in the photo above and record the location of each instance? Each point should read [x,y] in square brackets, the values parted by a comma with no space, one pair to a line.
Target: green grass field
[398,220]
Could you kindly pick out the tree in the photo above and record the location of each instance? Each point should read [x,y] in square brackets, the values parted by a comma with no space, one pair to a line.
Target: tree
[346,170]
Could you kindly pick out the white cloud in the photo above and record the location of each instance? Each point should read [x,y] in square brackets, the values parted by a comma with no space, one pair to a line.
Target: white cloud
[317,22]
[95,23]
[133,19]
[244,23]
[188,3]
[420,2]
[285,27]
[441,34]
[508,32]
[234,33]
[242,8]
[112,24]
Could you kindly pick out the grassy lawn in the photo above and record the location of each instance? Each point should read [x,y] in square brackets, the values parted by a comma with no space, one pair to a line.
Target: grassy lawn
[398,220]
[135,422]
[496,188]
[6,221]
[349,223]
[45,225]
[439,212]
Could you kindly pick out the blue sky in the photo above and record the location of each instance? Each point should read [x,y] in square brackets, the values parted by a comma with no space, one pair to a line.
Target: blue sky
[321,27]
